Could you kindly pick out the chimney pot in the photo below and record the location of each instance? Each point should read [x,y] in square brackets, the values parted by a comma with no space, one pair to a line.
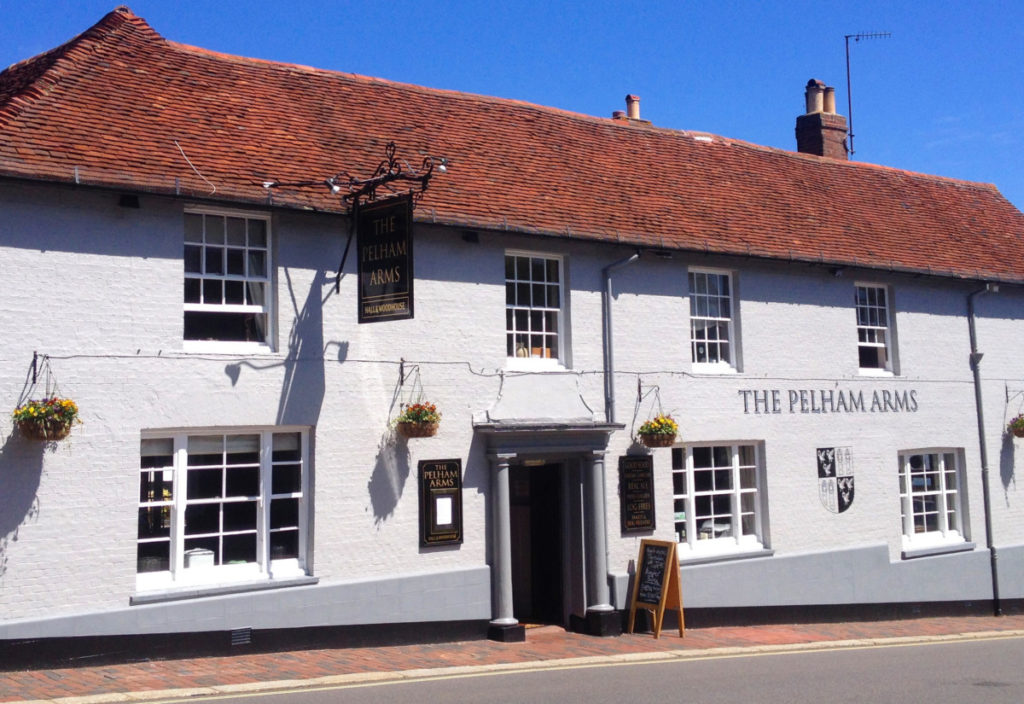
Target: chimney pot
[814,96]
[830,100]
[821,131]
[619,115]
[633,107]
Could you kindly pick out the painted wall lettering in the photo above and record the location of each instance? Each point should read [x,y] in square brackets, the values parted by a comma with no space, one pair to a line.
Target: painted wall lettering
[777,401]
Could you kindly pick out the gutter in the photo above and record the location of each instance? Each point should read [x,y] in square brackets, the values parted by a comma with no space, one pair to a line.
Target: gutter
[982,445]
[606,327]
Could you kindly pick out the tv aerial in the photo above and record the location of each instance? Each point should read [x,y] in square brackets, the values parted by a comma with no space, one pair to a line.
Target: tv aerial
[849,99]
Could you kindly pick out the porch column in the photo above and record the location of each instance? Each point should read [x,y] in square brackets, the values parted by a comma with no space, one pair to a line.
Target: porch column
[598,598]
[504,626]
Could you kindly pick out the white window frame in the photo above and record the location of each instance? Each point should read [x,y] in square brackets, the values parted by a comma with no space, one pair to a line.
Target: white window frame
[698,536]
[266,309]
[705,308]
[870,327]
[531,360]
[266,567]
[940,504]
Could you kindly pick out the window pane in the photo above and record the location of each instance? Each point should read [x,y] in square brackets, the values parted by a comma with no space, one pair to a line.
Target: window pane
[214,260]
[213,291]
[257,233]
[156,486]
[243,449]
[287,447]
[154,557]
[154,522]
[286,479]
[234,292]
[193,259]
[243,481]
[193,227]
[214,229]
[205,484]
[236,232]
[284,545]
[193,291]
[257,264]
[205,449]
[240,516]
[284,513]
[239,549]
[202,518]
[211,543]
[236,262]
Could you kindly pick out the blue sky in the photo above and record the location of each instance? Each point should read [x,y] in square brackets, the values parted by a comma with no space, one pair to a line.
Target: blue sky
[943,95]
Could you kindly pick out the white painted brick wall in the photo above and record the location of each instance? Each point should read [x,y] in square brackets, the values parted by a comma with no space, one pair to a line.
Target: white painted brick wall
[98,288]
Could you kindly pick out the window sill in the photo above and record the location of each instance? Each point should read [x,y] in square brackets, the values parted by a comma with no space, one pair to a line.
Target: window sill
[691,559]
[196,591]
[534,364]
[932,550]
[221,347]
[868,371]
[711,369]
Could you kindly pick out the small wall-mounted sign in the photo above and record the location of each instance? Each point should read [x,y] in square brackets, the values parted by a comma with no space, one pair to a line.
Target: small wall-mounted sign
[440,502]
[384,240]
[636,493]
[835,478]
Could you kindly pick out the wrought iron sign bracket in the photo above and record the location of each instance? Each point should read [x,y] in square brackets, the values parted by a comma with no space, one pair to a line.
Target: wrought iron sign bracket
[390,170]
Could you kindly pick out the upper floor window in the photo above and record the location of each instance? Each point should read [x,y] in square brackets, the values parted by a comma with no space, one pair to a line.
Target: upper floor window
[931,499]
[227,277]
[712,312]
[533,306]
[222,507]
[874,328]
[717,490]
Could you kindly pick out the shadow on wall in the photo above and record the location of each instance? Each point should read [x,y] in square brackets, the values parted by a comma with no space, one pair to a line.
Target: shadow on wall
[302,391]
[1006,461]
[390,473]
[303,385]
[21,467]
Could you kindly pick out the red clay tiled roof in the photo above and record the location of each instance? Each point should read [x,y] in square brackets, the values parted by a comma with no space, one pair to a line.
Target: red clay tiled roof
[112,107]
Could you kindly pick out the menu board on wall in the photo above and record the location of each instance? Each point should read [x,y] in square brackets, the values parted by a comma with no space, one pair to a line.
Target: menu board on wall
[636,493]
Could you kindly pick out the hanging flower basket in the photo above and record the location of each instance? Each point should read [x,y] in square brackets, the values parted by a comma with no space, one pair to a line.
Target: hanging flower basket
[413,429]
[46,420]
[418,420]
[659,431]
[658,440]
[1016,426]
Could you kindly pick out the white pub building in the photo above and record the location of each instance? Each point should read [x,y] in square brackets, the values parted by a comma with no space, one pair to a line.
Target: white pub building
[244,273]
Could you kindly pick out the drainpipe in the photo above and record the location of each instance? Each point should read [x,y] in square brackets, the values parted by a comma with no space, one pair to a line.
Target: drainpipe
[982,446]
[609,362]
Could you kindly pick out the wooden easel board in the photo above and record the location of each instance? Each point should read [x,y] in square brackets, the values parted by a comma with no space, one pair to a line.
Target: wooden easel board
[656,586]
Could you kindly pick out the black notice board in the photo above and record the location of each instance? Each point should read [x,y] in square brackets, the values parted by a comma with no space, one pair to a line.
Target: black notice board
[440,483]
[656,584]
[636,493]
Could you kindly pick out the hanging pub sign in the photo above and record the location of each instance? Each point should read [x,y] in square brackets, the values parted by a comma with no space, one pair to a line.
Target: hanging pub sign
[384,240]
[636,493]
[440,502]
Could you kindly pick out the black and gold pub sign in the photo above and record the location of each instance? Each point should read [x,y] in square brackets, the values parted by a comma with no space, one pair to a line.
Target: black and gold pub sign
[636,493]
[440,502]
[384,240]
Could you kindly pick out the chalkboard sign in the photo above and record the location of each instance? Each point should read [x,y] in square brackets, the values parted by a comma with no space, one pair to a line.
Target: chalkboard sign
[656,585]
[636,493]
[651,575]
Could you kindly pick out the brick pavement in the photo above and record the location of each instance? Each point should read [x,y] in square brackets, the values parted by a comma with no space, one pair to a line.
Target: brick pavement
[543,644]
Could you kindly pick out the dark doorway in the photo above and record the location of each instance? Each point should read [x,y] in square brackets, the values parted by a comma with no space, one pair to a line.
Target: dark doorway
[536,529]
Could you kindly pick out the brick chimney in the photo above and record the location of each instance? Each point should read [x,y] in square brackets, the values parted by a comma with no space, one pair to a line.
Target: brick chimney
[821,131]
